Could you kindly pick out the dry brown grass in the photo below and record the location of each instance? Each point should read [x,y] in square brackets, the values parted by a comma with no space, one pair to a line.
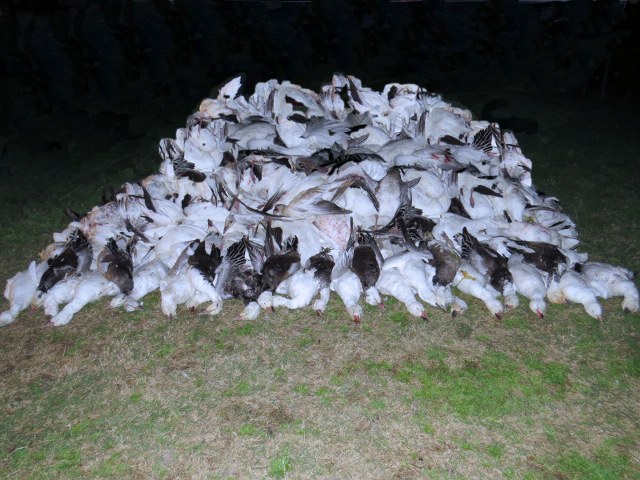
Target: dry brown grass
[198,397]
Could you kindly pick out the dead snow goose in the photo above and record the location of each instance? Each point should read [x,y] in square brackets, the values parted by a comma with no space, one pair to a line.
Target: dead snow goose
[529,283]
[612,281]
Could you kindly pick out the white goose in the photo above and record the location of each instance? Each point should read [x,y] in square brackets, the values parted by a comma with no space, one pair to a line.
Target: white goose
[146,279]
[468,280]
[612,281]
[392,282]
[574,288]
[91,287]
[305,284]
[21,290]
[349,288]
[61,293]
[530,283]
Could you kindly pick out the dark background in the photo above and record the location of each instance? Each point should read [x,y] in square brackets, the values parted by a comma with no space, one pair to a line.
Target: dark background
[98,64]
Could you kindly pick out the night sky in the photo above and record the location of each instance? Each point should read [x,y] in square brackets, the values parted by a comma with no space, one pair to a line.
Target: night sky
[67,59]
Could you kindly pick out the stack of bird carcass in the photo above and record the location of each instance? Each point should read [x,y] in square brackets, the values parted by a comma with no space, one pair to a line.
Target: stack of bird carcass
[282,197]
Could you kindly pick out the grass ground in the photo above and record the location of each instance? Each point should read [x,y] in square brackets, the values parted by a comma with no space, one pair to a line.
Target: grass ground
[295,395]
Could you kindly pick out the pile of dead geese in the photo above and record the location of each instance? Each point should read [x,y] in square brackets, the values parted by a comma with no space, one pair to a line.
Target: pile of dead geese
[283,196]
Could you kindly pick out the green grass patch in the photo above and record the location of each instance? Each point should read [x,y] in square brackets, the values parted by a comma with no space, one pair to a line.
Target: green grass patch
[325,394]
[281,464]
[165,350]
[377,404]
[304,342]
[239,389]
[401,318]
[301,389]
[496,450]
[495,386]
[68,459]
[246,329]
[604,465]
[114,466]
[249,430]
[280,374]
[424,423]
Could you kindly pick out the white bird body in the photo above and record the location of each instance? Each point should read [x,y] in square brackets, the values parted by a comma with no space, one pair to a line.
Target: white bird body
[449,225]
[311,239]
[362,209]
[21,290]
[157,185]
[394,148]
[91,287]
[477,206]
[172,242]
[469,155]
[252,131]
[301,287]
[349,288]
[431,207]
[146,279]
[265,300]
[612,281]
[275,178]
[333,232]
[442,121]
[251,311]
[61,293]
[514,163]
[179,289]
[392,282]
[430,184]
[468,280]
[203,158]
[419,275]
[60,237]
[283,108]
[514,202]
[377,137]
[574,288]
[323,299]
[390,191]
[201,213]
[531,232]
[529,282]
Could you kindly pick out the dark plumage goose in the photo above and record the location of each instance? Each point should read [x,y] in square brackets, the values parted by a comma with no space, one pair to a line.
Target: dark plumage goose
[279,266]
[365,262]
[544,256]
[322,264]
[246,285]
[230,265]
[490,262]
[195,284]
[206,263]
[74,259]
[446,261]
[429,267]
[408,223]
[116,266]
